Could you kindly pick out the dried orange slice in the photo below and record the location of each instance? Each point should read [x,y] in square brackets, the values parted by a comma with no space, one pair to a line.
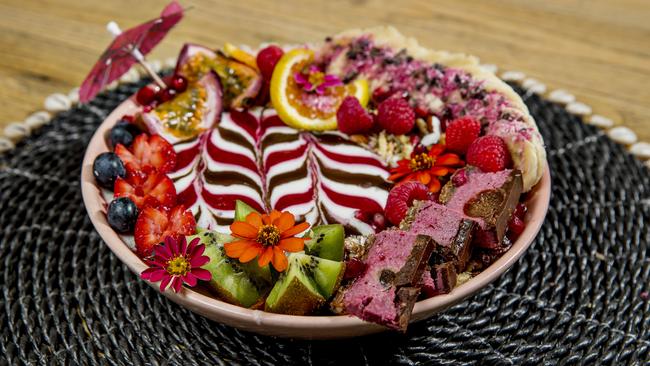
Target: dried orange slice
[303,102]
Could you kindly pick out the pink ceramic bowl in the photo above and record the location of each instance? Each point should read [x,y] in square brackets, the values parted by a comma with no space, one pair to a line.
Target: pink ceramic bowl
[310,327]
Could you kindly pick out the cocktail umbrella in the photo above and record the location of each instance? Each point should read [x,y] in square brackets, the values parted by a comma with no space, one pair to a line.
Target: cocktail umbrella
[127,48]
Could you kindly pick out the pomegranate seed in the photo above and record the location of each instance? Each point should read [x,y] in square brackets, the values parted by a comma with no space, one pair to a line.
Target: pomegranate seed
[520,210]
[354,268]
[516,226]
[362,215]
[459,179]
[128,118]
[422,112]
[179,84]
[166,95]
[146,95]
[419,149]
[381,93]
[378,221]
[147,108]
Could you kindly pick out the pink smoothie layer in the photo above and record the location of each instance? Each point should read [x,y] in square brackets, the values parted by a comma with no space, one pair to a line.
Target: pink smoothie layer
[439,222]
[368,298]
[477,182]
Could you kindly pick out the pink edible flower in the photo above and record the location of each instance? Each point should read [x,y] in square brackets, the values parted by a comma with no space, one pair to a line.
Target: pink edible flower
[175,262]
[316,80]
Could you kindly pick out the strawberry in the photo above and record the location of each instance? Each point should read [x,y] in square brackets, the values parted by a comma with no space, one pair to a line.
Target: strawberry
[352,118]
[153,189]
[401,197]
[489,153]
[396,116]
[148,153]
[461,133]
[155,224]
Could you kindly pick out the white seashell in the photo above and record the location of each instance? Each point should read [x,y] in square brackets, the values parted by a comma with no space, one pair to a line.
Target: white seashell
[57,102]
[537,88]
[434,136]
[600,121]
[513,76]
[622,135]
[170,62]
[113,85]
[641,150]
[156,65]
[130,76]
[247,48]
[6,144]
[578,108]
[73,95]
[38,119]
[16,131]
[561,96]
[492,68]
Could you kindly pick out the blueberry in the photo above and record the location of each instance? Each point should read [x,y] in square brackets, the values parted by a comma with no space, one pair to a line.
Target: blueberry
[131,127]
[120,135]
[106,168]
[122,213]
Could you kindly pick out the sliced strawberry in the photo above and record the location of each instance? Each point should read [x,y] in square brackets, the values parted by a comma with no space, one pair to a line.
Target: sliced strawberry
[153,189]
[148,152]
[155,224]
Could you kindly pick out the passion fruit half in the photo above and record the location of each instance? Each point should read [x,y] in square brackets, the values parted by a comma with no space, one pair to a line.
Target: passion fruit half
[189,113]
[240,82]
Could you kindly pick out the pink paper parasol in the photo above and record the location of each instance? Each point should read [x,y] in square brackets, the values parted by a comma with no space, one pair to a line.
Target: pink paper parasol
[127,48]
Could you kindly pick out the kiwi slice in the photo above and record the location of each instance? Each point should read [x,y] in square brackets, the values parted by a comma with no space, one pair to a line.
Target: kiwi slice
[242,210]
[242,284]
[326,242]
[305,286]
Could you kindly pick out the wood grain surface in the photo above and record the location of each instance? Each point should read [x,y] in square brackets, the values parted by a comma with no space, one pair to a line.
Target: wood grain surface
[598,50]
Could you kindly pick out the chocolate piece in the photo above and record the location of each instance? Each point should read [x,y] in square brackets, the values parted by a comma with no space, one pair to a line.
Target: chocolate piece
[489,197]
[387,291]
[450,230]
[440,279]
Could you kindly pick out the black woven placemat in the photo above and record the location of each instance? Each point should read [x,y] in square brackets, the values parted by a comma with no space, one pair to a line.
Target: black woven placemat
[577,296]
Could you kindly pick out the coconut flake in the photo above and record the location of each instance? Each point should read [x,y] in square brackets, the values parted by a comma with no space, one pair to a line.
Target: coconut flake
[641,150]
[57,102]
[37,119]
[434,136]
[600,121]
[561,96]
[622,135]
[513,76]
[578,108]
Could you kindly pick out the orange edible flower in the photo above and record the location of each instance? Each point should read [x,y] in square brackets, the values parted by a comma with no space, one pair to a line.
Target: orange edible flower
[426,167]
[267,237]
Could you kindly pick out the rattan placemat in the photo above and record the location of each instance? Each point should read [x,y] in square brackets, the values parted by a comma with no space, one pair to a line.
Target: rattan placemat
[577,296]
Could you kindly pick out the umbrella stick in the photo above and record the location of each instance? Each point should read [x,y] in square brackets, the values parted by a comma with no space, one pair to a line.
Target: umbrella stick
[115,30]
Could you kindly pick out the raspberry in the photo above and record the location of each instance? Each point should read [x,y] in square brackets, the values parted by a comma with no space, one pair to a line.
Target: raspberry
[352,118]
[267,58]
[401,197]
[396,116]
[461,133]
[489,153]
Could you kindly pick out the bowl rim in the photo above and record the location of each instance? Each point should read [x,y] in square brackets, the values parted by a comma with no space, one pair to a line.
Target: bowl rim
[237,316]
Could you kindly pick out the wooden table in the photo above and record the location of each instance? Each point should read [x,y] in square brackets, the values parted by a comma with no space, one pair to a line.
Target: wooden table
[598,50]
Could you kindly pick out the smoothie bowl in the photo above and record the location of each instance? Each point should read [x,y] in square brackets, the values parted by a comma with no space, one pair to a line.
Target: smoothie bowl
[322,191]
